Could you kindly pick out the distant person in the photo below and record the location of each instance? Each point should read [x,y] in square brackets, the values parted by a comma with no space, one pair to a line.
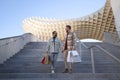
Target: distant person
[53,48]
[69,45]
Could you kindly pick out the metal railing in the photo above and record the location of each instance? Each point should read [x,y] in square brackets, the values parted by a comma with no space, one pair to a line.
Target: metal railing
[92,53]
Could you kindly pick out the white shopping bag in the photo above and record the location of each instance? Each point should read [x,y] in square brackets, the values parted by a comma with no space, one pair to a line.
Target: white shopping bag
[73,56]
[74,53]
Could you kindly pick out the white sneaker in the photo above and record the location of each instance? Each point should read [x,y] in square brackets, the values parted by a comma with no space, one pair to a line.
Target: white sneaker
[52,71]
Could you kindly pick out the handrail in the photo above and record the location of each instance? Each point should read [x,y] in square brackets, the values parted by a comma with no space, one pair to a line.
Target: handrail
[97,46]
[108,53]
[91,52]
[92,60]
[92,55]
[84,45]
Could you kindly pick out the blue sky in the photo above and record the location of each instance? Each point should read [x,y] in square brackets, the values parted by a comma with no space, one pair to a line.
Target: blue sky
[13,12]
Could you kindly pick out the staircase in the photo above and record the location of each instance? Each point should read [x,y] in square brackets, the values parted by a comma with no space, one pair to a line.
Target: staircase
[25,65]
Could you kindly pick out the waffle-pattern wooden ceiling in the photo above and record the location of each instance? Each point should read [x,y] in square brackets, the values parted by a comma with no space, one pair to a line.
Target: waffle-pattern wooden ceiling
[92,26]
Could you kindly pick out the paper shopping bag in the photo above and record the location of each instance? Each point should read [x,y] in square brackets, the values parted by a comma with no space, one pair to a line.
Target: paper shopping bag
[46,60]
[73,57]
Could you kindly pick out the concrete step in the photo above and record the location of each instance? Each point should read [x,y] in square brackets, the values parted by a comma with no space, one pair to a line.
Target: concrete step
[39,68]
[59,76]
[28,61]
[26,65]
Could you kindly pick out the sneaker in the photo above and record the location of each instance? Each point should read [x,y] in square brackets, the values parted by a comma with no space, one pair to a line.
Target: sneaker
[66,71]
[52,71]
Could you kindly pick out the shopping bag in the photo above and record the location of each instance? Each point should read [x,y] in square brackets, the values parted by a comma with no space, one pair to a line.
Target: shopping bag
[43,60]
[46,60]
[73,57]
[74,53]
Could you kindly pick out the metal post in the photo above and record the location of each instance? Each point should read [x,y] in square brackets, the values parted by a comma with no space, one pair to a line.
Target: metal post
[92,60]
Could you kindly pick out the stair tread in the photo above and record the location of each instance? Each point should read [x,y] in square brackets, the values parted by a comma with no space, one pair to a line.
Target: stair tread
[26,65]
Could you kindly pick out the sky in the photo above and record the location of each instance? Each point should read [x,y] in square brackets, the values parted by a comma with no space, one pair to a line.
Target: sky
[13,12]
